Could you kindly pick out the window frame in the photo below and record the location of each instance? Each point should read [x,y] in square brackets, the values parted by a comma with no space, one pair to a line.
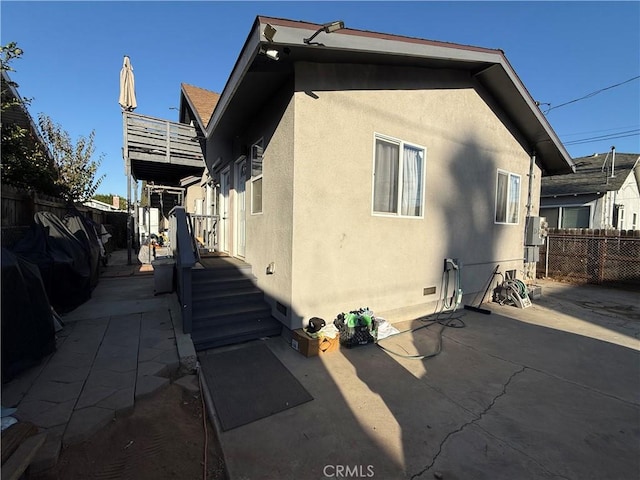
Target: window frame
[255,178]
[576,208]
[401,146]
[508,195]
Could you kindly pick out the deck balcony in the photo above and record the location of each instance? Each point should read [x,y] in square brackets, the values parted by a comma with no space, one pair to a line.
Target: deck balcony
[159,150]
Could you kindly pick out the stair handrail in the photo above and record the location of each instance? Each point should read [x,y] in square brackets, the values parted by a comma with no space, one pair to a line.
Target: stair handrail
[182,243]
[185,258]
[192,234]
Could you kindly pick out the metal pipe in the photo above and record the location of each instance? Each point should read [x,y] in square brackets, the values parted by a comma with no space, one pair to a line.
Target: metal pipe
[530,189]
[546,259]
[613,161]
[529,206]
[128,212]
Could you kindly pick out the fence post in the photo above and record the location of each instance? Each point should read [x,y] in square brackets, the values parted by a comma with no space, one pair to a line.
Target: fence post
[546,258]
[602,253]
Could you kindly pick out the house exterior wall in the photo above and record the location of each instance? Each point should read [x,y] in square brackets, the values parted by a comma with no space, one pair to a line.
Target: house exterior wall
[604,210]
[629,197]
[270,233]
[345,257]
[194,194]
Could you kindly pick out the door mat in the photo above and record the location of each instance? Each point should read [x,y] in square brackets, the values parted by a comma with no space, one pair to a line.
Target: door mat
[250,383]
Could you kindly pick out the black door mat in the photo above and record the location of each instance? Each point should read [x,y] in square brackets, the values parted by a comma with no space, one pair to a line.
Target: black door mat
[250,383]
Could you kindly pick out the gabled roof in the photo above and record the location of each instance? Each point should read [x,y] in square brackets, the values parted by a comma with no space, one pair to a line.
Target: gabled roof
[593,175]
[201,101]
[255,77]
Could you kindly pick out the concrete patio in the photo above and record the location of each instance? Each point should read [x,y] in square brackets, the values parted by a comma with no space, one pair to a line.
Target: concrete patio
[121,345]
[551,391]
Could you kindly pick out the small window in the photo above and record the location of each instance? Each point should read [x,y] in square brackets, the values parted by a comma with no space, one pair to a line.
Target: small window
[398,178]
[256,177]
[576,217]
[508,198]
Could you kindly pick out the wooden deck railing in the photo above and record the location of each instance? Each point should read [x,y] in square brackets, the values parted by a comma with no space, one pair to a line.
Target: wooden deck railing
[154,139]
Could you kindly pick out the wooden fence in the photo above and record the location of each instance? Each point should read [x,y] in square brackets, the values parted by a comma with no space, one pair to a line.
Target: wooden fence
[19,207]
[592,256]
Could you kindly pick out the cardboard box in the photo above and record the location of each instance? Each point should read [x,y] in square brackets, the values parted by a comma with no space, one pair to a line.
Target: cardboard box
[310,347]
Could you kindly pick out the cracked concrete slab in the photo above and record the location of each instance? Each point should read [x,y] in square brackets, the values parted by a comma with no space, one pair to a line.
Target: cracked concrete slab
[67,373]
[149,384]
[567,428]
[505,399]
[54,391]
[121,401]
[96,371]
[85,422]
[45,414]
[152,368]
[110,378]
[491,459]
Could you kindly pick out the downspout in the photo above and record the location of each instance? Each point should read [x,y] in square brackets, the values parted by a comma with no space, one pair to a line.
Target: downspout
[530,192]
[528,272]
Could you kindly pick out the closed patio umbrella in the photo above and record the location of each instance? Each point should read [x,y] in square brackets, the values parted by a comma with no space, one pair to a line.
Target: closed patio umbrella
[127,87]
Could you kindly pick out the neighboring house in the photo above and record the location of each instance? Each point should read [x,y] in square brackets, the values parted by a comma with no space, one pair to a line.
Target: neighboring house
[354,164]
[15,113]
[98,205]
[196,106]
[604,193]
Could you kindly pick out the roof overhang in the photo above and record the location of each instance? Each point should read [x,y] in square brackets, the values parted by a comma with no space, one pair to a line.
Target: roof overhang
[18,113]
[490,67]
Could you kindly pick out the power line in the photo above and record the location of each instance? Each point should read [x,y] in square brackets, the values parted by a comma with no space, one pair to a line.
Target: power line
[628,133]
[563,135]
[589,95]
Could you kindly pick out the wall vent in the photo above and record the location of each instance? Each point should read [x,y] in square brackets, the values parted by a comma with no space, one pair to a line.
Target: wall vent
[281,308]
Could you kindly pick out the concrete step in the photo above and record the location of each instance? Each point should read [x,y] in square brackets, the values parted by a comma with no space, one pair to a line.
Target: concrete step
[221,285]
[230,313]
[228,307]
[214,298]
[223,268]
[241,331]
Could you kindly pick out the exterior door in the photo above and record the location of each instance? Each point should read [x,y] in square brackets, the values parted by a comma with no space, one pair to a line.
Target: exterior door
[223,202]
[240,207]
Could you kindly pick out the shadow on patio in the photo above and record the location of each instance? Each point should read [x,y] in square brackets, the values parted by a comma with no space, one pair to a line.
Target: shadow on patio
[504,399]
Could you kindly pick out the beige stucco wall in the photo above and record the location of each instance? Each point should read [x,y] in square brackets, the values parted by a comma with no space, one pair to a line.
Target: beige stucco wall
[193,192]
[269,234]
[345,257]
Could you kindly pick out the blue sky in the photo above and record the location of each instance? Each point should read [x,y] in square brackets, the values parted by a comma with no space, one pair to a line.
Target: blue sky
[73,53]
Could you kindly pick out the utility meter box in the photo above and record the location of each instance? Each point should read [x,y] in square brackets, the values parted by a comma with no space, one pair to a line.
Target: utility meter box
[531,255]
[536,231]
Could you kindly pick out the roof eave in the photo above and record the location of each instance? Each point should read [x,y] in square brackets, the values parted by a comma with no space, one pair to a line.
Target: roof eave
[185,96]
[540,136]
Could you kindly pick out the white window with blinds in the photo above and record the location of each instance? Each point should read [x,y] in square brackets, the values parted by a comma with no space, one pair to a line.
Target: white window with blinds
[256,177]
[398,178]
[508,198]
